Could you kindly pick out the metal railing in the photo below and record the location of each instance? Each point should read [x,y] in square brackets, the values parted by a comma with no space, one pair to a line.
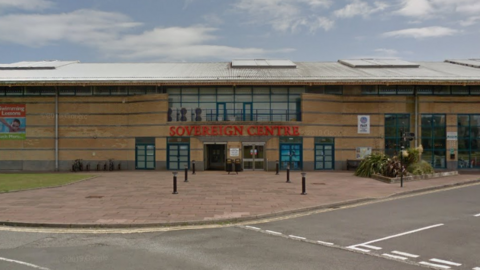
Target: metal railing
[206,115]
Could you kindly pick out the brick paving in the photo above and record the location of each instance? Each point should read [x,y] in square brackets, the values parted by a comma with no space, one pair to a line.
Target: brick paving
[130,198]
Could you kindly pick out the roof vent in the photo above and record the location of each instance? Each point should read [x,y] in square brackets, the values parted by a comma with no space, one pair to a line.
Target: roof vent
[52,64]
[465,62]
[262,63]
[378,63]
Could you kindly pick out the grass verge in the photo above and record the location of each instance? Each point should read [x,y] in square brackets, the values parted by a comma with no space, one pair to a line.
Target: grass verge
[21,181]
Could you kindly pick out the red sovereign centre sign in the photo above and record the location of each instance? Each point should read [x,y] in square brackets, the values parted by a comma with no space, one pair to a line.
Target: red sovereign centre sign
[234,131]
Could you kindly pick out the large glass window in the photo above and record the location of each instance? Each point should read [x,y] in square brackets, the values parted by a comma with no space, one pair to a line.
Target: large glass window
[469,141]
[434,130]
[243,103]
[395,126]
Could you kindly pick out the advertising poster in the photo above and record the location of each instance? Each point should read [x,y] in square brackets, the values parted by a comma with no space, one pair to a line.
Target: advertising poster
[12,121]
[363,152]
[364,124]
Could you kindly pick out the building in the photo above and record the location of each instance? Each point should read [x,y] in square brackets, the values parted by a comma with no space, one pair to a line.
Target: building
[309,115]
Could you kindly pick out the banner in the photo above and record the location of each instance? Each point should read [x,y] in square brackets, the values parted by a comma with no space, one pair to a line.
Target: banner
[363,124]
[12,121]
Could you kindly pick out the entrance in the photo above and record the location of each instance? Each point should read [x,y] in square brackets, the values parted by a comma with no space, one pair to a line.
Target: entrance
[145,153]
[254,156]
[178,153]
[324,153]
[291,153]
[215,157]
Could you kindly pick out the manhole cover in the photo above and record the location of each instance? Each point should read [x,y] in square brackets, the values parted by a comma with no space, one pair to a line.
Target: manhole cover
[94,197]
[318,183]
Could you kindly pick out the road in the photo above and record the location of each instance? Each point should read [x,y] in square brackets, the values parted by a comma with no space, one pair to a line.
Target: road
[437,230]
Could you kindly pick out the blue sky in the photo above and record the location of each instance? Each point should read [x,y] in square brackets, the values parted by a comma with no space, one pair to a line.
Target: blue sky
[219,30]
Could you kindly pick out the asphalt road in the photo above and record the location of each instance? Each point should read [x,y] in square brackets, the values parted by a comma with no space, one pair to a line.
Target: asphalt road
[440,228]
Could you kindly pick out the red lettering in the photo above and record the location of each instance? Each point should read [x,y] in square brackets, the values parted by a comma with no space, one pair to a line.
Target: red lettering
[249,130]
[239,130]
[198,130]
[205,131]
[172,131]
[214,131]
[228,130]
[221,130]
[287,131]
[269,130]
[279,130]
[260,130]
[178,131]
[295,131]
[189,130]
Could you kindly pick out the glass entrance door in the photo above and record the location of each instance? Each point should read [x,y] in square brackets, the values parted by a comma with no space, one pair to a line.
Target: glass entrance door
[253,157]
[291,154]
[145,157]
[178,156]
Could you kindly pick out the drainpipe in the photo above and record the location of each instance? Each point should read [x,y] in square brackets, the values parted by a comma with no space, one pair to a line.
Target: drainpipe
[56,129]
[416,119]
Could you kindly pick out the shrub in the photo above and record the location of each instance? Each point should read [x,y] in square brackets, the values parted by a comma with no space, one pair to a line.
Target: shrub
[420,168]
[413,156]
[392,167]
[372,164]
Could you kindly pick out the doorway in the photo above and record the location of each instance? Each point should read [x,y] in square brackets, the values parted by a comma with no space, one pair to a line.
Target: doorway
[254,156]
[215,157]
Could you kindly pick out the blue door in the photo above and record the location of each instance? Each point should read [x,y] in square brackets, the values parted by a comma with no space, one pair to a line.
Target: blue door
[291,155]
[178,156]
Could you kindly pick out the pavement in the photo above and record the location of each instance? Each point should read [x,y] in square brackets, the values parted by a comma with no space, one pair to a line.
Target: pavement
[144,198]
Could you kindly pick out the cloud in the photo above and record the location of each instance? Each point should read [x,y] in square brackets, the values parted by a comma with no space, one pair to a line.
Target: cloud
[470,21]
[414,8]
[286,15]
[386,52]
[113,35]
[420,33]
[360,8]
[25,4]
[433,8]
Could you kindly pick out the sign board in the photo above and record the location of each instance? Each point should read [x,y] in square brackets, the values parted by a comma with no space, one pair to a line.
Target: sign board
[231,130]
[363,124]
[12,121]
[452,136]
[234,152]
[363,152]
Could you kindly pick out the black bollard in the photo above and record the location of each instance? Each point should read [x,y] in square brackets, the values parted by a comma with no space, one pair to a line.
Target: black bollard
[304,191]
[175,183]
[186,173]
[288,173]
[193,166]
[276,168]
[401,167]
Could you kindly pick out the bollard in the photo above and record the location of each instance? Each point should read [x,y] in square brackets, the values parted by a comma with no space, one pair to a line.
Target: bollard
[186,173]
[175,183]
[193,166]
[288,173]
[304,191]
[401,167]
[276,167]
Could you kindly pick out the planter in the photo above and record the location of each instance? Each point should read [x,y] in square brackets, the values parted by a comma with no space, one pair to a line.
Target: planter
[412,177]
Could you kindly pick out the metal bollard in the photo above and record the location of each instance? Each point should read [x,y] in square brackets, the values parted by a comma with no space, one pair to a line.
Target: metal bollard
[175,183]
[304,191]
[288,173]
[193,166]
[276,167]
[186,173]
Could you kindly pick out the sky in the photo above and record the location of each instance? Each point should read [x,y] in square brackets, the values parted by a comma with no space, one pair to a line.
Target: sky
[97,31]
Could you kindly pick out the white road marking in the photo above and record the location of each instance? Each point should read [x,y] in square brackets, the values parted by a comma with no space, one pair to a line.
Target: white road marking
[23,263]
[325,243]
[371,247]
[435,265]
[272,232]
[445,262]
[476,268]
[398,235]
[477,215]
[251,227]
[394,257]
[297,237]
[359,249]
[405,254]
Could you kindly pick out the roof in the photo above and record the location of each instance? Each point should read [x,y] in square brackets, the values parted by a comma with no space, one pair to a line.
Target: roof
[217,73]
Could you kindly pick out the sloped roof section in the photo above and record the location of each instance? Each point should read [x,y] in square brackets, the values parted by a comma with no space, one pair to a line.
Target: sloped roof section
[53,64]
[465,62]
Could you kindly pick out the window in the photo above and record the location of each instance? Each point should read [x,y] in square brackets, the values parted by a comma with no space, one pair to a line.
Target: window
[434,131]
[395,126]
[468,127]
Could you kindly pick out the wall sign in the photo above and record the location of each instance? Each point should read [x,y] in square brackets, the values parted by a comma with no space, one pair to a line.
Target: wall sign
[452,136]
[234,131]
[363,152]
[363,124]
[12,121]
[234,152]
